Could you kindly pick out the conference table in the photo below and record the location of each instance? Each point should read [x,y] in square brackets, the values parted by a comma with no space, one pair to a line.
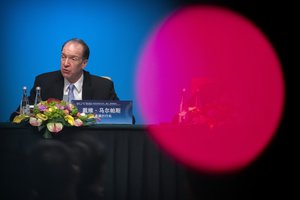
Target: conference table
[136,168]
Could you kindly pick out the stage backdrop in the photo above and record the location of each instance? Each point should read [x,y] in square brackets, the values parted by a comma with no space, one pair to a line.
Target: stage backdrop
[33,31]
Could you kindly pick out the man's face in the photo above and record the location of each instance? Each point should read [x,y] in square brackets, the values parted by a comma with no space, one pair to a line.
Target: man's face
[72,63]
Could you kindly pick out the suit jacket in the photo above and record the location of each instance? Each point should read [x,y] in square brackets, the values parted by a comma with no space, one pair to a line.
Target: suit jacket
[52,85]
[93,88]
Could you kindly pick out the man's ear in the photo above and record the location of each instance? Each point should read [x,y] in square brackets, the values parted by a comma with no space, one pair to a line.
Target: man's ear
[84,63]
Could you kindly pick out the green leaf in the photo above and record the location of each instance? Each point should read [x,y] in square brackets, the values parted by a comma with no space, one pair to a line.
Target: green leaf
[41,127]
[47,134]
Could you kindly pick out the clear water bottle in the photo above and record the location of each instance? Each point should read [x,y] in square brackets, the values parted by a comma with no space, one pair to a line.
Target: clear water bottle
[38,97]
[24,106]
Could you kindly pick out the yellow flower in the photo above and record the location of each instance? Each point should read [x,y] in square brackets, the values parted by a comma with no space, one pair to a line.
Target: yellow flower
[90,116]
[41,116]
[19,118]
[69,119]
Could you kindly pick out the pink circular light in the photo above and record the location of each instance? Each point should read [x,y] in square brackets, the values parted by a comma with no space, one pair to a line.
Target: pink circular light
[229,77]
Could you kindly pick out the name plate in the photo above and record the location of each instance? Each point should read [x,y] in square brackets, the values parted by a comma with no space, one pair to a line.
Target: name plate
[109,111]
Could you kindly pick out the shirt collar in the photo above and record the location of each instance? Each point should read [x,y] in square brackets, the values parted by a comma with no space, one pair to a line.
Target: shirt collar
[78,84]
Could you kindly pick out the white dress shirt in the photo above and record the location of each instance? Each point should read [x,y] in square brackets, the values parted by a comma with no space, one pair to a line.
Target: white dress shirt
[77,90]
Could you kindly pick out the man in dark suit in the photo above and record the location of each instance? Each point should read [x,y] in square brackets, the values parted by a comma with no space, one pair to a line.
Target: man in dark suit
[74,58]
[93,87]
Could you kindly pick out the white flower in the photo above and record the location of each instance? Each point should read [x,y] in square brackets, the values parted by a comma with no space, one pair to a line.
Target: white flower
[54,127]
[35,121]
[78,122]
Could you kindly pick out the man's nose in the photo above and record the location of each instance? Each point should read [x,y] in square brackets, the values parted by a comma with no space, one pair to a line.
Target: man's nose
[66,62]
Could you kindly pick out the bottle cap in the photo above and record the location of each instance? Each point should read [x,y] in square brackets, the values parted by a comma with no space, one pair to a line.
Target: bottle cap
[24,88]
[38,88]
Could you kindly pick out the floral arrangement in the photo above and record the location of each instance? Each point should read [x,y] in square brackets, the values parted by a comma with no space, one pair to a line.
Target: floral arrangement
[54,114]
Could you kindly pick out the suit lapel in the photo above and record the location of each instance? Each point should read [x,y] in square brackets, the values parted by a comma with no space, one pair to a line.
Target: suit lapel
[87,86]
[59,85]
